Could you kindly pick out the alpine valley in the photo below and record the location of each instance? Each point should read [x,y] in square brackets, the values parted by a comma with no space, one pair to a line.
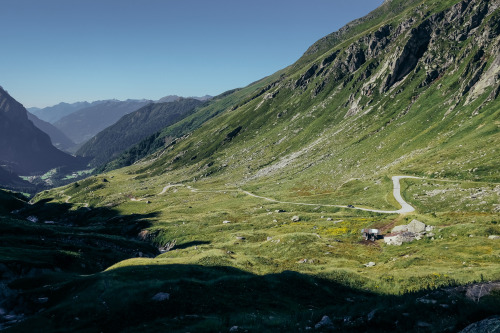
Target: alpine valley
[244,213]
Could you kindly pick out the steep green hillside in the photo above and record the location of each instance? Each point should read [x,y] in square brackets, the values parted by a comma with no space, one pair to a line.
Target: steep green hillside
[226,101]
[134,127]
[254,200]
[416,94]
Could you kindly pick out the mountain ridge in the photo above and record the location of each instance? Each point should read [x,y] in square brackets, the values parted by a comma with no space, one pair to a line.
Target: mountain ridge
[83,124]
[58,138]
[24,148]
[134,127]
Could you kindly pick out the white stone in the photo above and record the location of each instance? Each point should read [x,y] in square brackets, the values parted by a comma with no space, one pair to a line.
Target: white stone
[160,297]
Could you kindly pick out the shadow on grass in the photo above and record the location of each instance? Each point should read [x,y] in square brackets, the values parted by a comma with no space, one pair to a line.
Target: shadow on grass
[203,298]
[190,244]
[53,236]
[51,243]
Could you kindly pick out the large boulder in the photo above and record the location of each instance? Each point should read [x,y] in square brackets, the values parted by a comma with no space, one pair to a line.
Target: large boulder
[400,228]
[490,325]
[400,238]
[324,323]
[416,226]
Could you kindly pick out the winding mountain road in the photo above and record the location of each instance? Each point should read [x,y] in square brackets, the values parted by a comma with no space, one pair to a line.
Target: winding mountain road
[405,207]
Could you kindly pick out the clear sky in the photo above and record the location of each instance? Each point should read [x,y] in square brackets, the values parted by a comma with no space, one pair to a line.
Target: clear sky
[74,50]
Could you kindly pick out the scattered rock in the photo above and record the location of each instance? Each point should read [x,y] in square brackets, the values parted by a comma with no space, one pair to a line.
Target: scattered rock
[371,315]
[329,219]
[279,211]
[493,237]
[325,322]
[226,222]
[269,238]
[370,264]
[423,324]
[233,329]
[489,325]
[240,238]
[426,301]
[160,297]
[33,219]
[295,218]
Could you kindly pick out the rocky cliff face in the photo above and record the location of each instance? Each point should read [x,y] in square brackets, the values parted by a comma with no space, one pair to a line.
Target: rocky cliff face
[24,148]
[420,43]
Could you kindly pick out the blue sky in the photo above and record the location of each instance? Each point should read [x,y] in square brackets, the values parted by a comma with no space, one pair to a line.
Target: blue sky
[74,50]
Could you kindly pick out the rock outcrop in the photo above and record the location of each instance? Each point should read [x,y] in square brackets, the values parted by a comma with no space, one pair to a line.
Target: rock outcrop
[406,233]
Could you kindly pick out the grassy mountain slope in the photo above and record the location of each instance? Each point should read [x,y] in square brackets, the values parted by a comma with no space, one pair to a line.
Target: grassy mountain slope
[412,89]
[133,128]
[226,101]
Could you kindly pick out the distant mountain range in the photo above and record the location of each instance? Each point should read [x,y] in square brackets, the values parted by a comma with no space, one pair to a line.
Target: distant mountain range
[53,113]
[83,124]
[80,121]
[24,148]
[134,127]
[58,138]
[173,98]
